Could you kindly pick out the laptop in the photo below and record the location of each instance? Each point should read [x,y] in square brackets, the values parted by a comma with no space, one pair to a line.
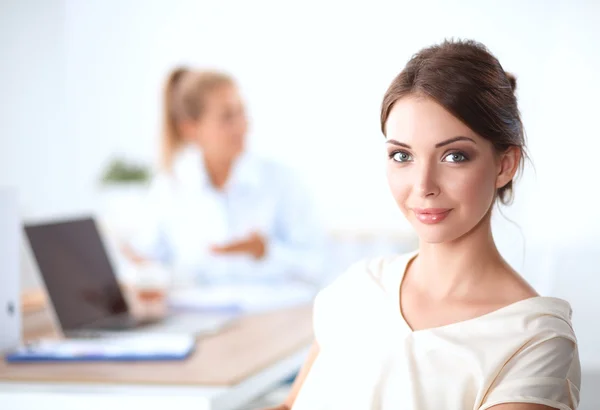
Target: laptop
[82,285]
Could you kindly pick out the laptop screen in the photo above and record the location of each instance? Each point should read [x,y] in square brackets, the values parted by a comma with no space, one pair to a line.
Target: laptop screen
[77,272]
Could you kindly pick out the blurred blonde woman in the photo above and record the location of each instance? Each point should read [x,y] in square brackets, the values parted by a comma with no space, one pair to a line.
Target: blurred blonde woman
[216,212]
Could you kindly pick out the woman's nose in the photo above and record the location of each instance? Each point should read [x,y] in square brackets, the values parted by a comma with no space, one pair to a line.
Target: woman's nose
[426,181]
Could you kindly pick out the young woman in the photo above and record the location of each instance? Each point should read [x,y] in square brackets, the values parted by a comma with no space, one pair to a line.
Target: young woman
[450,326]
[215,212]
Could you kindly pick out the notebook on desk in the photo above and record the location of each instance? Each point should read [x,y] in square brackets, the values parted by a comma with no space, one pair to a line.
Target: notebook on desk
[119,349]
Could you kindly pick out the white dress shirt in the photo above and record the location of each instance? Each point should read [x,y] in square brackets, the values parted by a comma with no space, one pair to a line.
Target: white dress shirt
[186,215]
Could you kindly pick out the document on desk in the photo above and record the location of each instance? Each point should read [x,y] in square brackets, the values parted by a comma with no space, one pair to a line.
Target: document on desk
[241,299]
[118,348]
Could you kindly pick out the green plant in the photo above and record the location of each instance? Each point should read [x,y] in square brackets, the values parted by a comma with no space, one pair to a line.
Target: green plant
[120,171]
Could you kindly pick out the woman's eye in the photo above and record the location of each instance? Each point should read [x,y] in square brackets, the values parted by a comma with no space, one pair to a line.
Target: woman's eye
[456,157]
[401,156]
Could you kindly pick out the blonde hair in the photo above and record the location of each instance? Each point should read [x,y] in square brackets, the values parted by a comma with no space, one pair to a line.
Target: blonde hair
[184,97]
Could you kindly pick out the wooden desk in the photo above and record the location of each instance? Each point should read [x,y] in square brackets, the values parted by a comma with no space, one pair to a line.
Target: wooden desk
[226,371]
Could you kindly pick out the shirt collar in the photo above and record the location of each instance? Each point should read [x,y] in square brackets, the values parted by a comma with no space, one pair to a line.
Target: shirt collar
[189,170]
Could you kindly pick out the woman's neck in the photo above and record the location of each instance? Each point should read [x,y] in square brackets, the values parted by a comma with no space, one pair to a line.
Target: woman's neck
[218,171]
[457,267]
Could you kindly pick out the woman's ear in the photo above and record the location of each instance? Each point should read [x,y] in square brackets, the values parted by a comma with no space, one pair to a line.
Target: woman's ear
[509,164]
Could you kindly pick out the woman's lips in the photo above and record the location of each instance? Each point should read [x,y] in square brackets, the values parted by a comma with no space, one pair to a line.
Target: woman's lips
[431,215]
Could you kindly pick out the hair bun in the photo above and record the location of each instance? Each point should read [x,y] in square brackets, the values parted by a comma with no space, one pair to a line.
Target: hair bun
[512,80]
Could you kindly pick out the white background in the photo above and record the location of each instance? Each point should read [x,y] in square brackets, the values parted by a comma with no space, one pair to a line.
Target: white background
[81,83]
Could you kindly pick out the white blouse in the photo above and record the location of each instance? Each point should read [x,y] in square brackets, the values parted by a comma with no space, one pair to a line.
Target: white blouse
[370,359]
[185,215]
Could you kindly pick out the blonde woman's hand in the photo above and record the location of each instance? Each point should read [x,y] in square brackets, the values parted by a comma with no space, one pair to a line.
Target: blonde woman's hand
[254,245]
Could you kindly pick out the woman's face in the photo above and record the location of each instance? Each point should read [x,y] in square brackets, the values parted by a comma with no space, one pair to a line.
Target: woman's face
[442,175]
[221,130]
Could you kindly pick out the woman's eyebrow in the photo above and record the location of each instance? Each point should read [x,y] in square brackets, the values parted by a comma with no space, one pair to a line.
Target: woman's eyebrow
[398,143]
[438,145]
[451,140]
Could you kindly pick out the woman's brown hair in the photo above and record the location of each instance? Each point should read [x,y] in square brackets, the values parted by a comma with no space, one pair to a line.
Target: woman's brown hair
[184,99]
[469,82]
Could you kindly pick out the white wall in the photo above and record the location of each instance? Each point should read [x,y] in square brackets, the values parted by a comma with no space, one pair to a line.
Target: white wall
[81,82]
[36,152]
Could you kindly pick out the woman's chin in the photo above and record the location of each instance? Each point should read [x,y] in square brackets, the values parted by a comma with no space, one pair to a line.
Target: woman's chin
[435,234]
